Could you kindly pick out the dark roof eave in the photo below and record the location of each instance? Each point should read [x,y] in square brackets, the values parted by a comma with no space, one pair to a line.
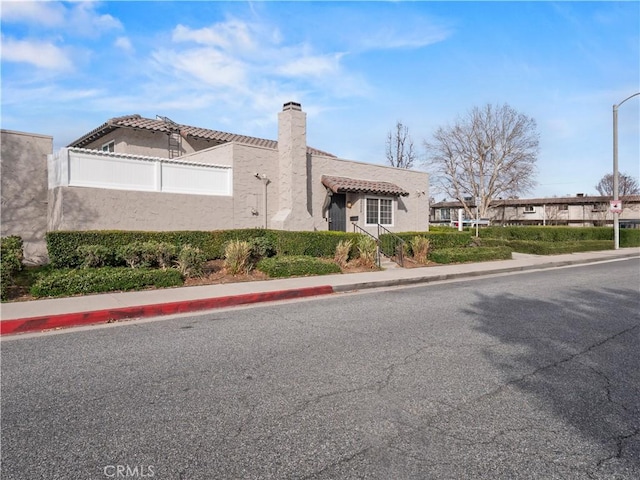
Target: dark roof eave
[351,185]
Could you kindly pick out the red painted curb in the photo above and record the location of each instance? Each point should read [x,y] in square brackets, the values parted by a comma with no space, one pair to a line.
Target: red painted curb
[21,325]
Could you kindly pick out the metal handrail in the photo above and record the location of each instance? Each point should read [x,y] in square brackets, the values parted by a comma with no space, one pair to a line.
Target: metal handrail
[398,246]
[362,230]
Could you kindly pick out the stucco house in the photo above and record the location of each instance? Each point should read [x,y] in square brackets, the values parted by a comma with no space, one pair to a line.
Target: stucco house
[578,211]
[134,173]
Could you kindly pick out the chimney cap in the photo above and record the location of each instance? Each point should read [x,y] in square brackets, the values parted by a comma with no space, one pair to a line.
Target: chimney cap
[291,106]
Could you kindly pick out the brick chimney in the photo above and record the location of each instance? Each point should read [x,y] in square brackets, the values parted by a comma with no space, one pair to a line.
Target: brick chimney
[292,170]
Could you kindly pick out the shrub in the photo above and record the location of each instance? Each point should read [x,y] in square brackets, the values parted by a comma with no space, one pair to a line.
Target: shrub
[93,256]
[261,247]
[549,248]
[343,249]
[629,237]
[237,257]
[367,249]
[287,266]
[190,262]
[437,239]
[420,248]
[314,244]
[11,257]
[165,254]
[548,234]
[134,254]
[475,254]
[62,245]
[65,282]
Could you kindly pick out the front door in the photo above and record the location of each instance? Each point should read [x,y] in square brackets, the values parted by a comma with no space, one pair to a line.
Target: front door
[338,212]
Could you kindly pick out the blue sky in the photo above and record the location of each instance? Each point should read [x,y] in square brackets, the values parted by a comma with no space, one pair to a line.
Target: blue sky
[356,67]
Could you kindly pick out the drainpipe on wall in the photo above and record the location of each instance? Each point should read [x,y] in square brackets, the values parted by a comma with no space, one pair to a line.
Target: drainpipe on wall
[265,182]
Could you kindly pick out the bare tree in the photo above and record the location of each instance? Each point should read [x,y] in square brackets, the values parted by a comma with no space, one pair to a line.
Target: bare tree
[489,153]
[627,185]
[400,151]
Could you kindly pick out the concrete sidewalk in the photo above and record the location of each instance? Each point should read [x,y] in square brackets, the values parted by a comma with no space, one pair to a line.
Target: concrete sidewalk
[18,317]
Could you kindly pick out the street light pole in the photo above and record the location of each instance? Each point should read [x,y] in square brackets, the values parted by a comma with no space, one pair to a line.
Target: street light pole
[616,187]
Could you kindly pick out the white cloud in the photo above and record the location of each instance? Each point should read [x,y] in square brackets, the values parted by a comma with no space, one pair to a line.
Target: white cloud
[124,44]
[230,35]
[48,14]
[40,54]
[84,20]
[206,65]
[391,37]
[315,66]
[77,18]
[252,58]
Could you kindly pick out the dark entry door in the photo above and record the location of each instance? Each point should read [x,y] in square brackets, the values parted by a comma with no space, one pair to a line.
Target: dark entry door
[338,213]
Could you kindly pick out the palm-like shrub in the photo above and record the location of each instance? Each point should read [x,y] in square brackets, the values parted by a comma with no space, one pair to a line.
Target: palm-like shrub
[237,257]
[367,249]
[420,247]
[341,256]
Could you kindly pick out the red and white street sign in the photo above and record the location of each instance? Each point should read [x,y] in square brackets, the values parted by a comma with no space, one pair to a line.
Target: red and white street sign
[616,206]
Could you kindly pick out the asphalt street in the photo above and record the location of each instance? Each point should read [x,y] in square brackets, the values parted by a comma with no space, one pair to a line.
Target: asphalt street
[522,376]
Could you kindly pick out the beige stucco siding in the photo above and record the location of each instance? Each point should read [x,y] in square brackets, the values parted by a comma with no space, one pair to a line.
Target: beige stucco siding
[24,190]
[249,191]
[217,155]
[78,208]
[148,143]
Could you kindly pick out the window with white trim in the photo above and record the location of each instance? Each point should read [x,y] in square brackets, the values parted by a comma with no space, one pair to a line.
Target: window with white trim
[109,147]
[445,214]
[379,210]
[529,209]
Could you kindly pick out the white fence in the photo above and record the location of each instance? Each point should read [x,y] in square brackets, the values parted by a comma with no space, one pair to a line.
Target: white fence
[77,167]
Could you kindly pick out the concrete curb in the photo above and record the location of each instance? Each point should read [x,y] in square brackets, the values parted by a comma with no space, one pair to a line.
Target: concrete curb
[32,324]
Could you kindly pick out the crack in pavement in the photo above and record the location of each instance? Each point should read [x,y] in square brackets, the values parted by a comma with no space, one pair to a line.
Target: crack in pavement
[343,460]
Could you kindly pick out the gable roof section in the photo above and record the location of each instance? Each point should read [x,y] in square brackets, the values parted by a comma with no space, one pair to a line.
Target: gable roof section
[344,184]
[159,125]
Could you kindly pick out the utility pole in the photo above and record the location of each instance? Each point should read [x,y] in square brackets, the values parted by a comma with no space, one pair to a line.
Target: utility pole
[616,188]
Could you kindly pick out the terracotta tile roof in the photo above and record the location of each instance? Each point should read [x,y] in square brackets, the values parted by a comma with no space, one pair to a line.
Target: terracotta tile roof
[344,184]
[167,126]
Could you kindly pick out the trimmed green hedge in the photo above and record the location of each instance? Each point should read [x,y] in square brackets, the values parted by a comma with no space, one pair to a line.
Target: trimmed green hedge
[437,240]
[629,237]
[549,248]
[60,283]
[10,262]
[472,254]
[289,266]
[63,246]
[548,234]
[313,244]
